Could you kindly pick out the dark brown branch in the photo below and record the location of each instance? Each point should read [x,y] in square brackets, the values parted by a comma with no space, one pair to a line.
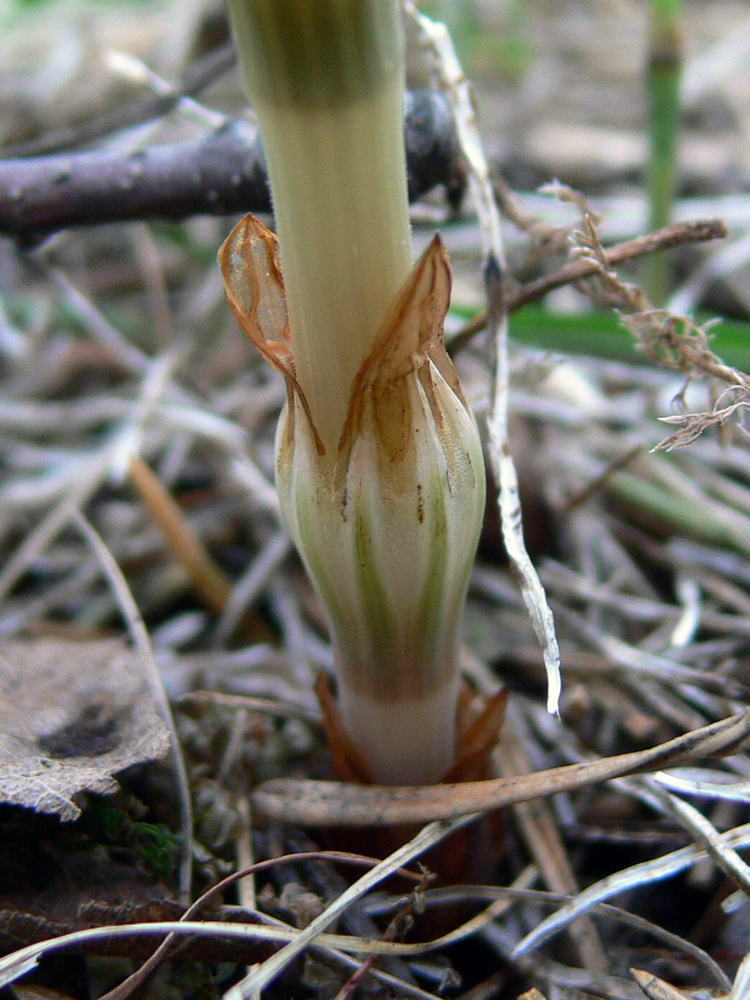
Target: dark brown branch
[577,270]
[222,174]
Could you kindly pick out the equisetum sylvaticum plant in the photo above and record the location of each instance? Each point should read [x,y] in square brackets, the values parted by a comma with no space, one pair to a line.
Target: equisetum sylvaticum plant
[379,467]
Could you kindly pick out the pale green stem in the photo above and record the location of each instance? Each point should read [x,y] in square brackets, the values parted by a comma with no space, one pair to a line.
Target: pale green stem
[332,125]
[409,741]
[390,550]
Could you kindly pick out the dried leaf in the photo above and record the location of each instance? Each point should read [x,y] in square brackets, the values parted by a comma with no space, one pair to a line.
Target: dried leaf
[413,329]
[72,715]
[254,285]
[251,269]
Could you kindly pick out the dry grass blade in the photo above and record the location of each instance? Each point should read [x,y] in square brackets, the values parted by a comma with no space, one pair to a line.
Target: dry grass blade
[246,886]
[23,961]
[437,38]
[641,662]
[57,519]
[270,969]
[142,642]
[657,989]
[545,843]
[492,912]
[397,926]
[399,986]
[705,783]
[503,901]
[681,945]
[208,578]
[330,803]
[487,989]
[284,932]
[107,459]
[515,894]
[564,980]
[741,985]
[251,584]
[706,833]
[637,875]
[245,703]
[100,329]
[509,499]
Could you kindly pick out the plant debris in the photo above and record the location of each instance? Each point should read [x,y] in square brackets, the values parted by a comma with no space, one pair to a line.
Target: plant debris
[72,715]
[136,437]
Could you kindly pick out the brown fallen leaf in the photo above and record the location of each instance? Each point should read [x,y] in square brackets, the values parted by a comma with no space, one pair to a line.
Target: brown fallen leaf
[72,715]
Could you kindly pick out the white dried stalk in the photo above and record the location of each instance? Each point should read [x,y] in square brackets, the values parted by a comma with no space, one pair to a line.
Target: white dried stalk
[705,783]
[706,834]
[23,961]
[131,357]
[741,986]
[259,978]
[690,597]
[436,38]
[657,989]
[57,519]
[248,476]
[463,894]
[245,855]
[109,460]
[251,584]
[629,878]
[156,380]
[130,68]
[142,642]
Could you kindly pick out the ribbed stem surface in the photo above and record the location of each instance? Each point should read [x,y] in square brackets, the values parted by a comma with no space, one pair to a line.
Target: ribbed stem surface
[327,82]
[387,525]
